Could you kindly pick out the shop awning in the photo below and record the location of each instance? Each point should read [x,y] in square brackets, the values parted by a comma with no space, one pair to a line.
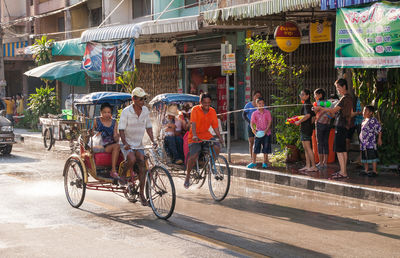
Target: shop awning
[69,47]
[181,24]
[329,4]
[257,9]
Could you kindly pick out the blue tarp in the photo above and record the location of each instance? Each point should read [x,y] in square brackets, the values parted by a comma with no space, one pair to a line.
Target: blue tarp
[333,4]
[113,98]
[174,98]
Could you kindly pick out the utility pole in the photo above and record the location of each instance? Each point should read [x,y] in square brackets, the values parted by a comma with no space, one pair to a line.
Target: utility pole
[3,82]
[67,21]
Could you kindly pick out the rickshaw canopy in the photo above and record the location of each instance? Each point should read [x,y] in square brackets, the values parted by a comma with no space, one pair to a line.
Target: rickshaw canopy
[174,98]
[114,98]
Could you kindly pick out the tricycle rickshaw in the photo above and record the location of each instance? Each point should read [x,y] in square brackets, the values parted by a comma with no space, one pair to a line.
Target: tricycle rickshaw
[89,170]
[217,167]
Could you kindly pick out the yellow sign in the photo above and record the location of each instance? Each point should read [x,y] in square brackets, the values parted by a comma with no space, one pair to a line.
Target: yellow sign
[288,37]
[320,32]
[228,64]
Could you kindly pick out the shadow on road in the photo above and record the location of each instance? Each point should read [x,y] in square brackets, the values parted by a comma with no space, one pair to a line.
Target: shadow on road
[182,227]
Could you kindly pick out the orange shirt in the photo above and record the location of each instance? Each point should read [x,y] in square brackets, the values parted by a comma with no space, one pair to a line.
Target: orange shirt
[203,123]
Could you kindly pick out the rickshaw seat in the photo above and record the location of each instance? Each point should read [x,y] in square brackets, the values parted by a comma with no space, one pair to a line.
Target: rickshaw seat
[103,159]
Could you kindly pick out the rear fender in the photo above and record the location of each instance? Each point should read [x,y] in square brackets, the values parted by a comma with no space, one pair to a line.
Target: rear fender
[77,158]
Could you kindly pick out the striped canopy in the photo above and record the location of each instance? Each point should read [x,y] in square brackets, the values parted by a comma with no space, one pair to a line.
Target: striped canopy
[332,4]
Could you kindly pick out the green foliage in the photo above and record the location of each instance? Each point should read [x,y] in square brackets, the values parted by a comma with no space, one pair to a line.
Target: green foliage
[288,80]
[128,80]
[41,103]
[384,95]
[42,50]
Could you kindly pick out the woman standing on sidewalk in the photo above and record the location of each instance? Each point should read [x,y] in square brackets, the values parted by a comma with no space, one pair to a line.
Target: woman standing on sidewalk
[306,130]
[322,129]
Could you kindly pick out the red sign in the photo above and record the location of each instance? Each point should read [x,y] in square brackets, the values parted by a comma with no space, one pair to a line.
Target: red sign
[222,103]
[108,65]
[288,37]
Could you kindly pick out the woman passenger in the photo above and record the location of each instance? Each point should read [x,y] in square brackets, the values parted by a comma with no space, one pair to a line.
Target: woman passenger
[105,125]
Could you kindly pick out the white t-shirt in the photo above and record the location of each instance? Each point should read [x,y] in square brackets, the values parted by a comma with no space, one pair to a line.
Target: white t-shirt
[134,126]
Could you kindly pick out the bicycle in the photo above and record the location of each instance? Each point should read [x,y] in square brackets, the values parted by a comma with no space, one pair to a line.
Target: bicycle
[217,168]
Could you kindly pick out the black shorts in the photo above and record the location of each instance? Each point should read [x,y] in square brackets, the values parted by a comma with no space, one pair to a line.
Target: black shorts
[249,131]
[339,144]
[304,137]
[198,147]
[265,142]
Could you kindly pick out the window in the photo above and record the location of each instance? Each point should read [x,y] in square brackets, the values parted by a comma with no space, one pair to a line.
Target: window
[95,17]
[191,3]
[140,8]
[61,24]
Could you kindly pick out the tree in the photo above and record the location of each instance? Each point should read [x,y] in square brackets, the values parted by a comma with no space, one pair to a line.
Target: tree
[42,50]
[288,80]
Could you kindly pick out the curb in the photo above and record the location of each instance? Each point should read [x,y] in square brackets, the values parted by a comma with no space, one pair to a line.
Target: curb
[319,185]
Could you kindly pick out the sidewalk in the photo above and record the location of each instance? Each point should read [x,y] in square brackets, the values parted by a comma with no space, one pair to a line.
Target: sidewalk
[384,188]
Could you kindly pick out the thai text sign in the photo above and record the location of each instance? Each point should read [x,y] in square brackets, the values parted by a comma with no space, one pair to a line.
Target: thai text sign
[288,37]
[320,32]
[368,37]
[228,63]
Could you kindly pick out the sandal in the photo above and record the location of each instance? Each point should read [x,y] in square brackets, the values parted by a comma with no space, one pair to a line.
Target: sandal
[303,169]
[144,201]
[114,174]
[186,185]
[363,173]
[339,176]
[372,174]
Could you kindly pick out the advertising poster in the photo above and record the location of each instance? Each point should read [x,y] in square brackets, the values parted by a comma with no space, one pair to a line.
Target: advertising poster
[222,104]
[368,37]
[108,65]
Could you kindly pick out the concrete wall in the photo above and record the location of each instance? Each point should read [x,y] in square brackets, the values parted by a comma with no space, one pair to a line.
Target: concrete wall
[79,20]
[122,15]
[15,9]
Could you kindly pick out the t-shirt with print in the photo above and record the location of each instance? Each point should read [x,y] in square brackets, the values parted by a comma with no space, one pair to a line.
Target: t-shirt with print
[306,126]
[203,122]
[343,116]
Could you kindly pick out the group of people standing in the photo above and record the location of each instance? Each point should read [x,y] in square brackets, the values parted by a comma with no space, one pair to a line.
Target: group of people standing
[343,116]
[14,106]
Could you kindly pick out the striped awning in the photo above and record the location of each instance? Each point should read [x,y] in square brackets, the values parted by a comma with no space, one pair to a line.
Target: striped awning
[257,9]
[332,4]
[181,24]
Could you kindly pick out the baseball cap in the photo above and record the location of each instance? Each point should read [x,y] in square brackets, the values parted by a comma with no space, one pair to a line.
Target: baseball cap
[139,92]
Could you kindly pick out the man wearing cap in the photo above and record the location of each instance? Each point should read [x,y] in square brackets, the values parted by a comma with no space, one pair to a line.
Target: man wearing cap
[202,117]
[134,121]
[172,130]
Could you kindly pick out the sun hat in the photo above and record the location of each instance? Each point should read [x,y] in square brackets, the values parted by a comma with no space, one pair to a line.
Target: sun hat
[172,110]
[260,134]
[139,92]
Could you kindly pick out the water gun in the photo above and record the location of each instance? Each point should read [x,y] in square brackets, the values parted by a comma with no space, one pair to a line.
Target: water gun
[292,120]
[323,103]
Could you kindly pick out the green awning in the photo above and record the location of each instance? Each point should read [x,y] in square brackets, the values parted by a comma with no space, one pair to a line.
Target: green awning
[69,47]
[69,72]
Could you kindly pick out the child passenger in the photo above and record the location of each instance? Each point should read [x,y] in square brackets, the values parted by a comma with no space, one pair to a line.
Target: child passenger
[370,127]
[260,124]
[306,130]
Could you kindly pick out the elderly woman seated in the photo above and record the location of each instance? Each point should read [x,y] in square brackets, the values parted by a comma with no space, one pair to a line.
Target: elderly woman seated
[173,141]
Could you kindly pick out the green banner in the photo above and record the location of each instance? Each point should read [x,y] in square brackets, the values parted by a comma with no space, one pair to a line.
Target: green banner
[368,37]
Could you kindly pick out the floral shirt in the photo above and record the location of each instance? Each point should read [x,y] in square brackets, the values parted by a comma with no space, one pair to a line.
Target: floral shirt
[370,127]
[261,120]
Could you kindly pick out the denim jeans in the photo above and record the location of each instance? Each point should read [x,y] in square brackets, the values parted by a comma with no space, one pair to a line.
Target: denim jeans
[174,147]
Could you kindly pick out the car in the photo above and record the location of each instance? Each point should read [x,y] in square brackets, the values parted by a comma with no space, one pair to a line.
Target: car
[7,137]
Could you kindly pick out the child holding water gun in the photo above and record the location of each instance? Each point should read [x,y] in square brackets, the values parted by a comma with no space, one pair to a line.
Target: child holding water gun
[322,129]
[306,130]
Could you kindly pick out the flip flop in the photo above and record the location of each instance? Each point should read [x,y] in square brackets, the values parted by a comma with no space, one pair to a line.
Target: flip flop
[339,176]
[186,185]
[144,202]
[312,170]
[372,174]
[303,169]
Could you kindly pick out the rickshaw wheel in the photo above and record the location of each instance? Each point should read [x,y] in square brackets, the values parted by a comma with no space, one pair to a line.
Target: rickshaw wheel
[74,184]
[160,190]
[48,139]
[132,193]
[219,180]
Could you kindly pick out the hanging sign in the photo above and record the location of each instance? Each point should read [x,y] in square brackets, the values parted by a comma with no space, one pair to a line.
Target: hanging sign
[150,58]
[222,102]
[320,32]
[288,37]
[108,65]
[228,63]
[368,37]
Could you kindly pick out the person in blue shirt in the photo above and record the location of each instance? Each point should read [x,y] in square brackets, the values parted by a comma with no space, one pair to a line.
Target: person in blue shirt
[249,108]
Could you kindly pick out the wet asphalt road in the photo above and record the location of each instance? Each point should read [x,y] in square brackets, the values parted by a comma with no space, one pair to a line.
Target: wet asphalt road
[256,219]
